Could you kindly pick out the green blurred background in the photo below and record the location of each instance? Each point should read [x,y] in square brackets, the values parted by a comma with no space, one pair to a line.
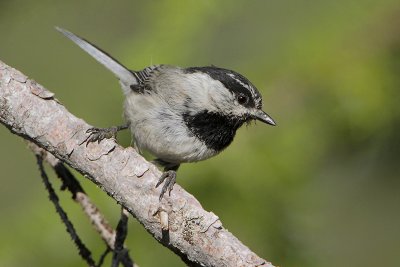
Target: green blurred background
[321,189]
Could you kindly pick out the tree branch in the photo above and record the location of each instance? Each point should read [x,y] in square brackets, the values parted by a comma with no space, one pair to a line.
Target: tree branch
[84,252]
[97,219]
[178,222]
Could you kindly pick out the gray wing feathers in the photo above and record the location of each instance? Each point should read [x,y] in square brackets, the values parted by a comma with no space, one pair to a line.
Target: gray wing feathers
[123,74]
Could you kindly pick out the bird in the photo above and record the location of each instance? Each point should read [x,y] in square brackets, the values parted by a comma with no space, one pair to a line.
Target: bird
[178,114]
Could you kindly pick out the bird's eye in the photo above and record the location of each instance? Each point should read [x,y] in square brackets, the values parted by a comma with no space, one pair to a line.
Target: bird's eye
[242,99]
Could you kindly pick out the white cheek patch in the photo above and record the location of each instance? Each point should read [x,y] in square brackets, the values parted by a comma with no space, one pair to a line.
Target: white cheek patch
[205,92]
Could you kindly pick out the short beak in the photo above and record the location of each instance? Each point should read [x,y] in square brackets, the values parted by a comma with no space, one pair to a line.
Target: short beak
[264,117]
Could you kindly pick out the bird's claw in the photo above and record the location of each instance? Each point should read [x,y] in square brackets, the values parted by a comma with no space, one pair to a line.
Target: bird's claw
[98,134]
[170,178]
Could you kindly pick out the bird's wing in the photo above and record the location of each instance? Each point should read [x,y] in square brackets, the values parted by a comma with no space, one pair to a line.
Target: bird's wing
[143,76]
[126,76]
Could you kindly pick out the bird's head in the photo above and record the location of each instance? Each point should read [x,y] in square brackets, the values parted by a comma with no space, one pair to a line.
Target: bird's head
[232,95]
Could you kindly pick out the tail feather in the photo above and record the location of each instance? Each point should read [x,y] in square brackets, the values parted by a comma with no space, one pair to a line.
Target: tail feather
[123,74]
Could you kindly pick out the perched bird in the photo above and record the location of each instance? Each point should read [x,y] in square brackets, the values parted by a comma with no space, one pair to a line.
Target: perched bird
[178,114]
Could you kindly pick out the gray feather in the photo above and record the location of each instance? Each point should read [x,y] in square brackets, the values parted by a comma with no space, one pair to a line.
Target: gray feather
[123,74]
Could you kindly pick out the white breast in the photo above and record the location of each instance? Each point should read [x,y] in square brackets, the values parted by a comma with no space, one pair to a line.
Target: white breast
[161,131]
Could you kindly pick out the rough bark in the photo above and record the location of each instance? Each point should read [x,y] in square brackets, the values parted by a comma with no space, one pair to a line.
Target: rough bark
[178,222]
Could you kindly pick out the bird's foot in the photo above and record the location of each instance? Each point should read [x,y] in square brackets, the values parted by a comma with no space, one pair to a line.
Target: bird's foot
[170,178]
[98,134]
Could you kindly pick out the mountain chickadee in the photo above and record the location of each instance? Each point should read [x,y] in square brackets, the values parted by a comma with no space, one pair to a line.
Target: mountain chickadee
[179,114]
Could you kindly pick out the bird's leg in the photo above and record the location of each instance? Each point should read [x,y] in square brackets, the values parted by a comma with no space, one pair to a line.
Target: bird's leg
[98,134]
[169,176]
